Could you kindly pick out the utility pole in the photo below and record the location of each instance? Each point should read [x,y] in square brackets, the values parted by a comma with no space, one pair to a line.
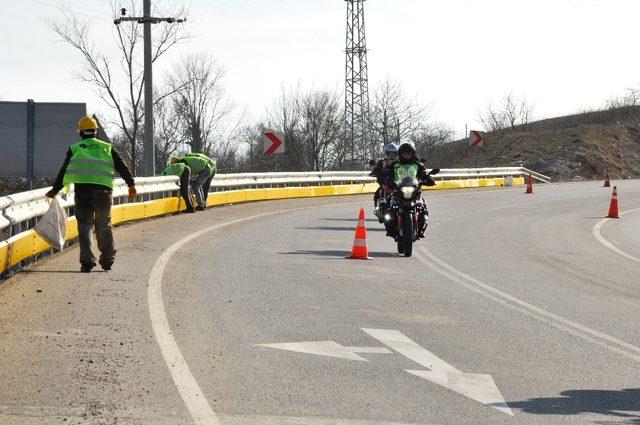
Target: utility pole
[357,87]
[147,20]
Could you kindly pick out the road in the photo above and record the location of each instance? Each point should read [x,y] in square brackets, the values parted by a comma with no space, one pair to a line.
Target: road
[511,298]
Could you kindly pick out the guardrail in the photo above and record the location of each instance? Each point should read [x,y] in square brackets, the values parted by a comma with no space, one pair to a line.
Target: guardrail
[20,212]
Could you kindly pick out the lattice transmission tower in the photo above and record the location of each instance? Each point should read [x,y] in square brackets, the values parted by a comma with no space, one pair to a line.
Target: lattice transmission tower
[357,87]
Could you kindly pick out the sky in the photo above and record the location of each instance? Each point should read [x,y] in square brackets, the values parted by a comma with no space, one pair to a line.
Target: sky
[456,55]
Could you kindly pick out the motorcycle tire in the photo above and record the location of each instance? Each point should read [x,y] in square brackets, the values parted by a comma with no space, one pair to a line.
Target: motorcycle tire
[407,235]
[400,247]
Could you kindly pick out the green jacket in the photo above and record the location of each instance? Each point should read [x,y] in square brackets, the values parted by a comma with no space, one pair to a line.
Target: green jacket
[196,164]
[91,163]
[176,169]
[212,163]
[401,171]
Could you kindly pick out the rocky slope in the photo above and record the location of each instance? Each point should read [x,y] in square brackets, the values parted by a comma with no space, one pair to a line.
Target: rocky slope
[578,147]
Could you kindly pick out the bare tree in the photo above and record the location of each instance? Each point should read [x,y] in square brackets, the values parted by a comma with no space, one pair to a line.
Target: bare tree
[430,139]
[630,98]
[103,73]
[322,128]
[510,113]
[394,115]
[208,119]
[313,124]
[168,137]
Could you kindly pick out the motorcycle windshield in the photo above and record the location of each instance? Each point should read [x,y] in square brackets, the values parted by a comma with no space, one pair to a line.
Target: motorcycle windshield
[406,171]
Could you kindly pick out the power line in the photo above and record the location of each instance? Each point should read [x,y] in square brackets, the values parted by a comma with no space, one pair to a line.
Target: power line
[74,6]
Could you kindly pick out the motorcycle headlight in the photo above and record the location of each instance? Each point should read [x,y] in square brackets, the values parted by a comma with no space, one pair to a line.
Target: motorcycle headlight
[408,191]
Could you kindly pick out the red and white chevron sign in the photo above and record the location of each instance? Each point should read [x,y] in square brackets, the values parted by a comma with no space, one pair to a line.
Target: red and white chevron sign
[476,138]
[273,143]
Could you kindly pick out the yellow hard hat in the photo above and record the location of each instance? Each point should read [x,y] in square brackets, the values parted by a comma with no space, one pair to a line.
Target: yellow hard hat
[173,160]
[87,123]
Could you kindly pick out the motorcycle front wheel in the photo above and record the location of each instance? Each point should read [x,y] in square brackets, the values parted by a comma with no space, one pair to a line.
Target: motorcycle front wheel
[407,235]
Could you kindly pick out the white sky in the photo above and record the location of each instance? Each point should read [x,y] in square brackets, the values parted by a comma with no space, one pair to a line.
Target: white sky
[563,55]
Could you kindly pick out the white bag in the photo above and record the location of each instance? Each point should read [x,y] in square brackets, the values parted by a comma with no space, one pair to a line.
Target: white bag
[52,226]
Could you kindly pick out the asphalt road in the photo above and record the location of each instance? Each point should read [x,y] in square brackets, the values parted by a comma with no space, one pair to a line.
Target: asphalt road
[510,298]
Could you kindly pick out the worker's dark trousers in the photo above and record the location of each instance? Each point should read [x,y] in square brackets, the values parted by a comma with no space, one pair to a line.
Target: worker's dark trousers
[93,208]
[185,189]
[206,186]
[198,185]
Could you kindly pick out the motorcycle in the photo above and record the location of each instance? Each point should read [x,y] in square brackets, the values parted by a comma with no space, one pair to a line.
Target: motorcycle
[407,213]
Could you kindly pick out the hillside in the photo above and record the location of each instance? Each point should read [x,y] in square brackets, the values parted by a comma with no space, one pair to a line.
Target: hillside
[577,147]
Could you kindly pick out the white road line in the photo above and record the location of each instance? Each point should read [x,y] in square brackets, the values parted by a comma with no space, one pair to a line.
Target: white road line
[191,393]
[598,235]
[606,341]
[408,348]
[195,401]
[479,387]
[328,349]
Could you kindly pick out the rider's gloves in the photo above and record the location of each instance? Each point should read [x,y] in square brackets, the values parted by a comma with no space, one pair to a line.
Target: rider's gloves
[429,181]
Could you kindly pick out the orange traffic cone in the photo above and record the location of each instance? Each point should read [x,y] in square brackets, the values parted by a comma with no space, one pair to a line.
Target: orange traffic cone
[529,184]
[607,181]
[360,251]
[613,208]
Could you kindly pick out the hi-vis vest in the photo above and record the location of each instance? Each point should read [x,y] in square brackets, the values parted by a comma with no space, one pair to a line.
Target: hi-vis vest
[91,163]
[176,169]
[196,164]
[401,171]
[212,164]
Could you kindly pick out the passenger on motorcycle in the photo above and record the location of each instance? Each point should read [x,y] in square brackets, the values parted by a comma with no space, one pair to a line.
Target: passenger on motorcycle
[391,154]
[380,201]
[407,165]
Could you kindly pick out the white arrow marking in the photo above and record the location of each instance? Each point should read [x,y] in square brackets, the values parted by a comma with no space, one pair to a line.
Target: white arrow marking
[481,388]
[328,349]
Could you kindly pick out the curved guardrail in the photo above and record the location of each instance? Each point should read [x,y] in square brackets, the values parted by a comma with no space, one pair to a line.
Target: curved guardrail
[159,196]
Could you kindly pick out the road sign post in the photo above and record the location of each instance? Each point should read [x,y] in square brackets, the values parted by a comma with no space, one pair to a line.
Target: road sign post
[476,140]
[273,144]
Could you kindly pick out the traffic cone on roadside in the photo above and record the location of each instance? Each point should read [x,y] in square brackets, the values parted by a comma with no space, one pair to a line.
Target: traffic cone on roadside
[529,185]
[613,207]
[607,181]
[360,251]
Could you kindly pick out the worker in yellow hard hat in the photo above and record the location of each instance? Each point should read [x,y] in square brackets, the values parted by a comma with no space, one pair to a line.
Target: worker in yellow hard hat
[90,165]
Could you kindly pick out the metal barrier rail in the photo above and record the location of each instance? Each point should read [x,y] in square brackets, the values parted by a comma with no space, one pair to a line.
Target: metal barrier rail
[19,212]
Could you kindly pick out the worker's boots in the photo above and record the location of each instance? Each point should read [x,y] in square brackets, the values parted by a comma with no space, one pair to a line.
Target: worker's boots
[106,266]
[86,268]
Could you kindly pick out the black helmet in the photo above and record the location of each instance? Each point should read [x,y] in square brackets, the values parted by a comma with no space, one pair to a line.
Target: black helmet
[406,147]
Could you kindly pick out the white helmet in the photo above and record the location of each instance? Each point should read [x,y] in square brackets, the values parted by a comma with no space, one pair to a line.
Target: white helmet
[391,150]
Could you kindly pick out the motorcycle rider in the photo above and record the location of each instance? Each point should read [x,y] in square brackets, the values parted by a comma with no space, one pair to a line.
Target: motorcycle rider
[407,156]
[391,154]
